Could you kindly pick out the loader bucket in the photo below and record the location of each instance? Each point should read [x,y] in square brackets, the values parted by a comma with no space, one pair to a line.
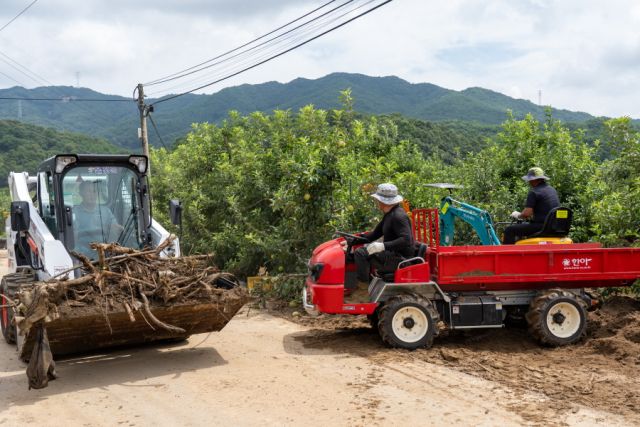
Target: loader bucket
[74,330]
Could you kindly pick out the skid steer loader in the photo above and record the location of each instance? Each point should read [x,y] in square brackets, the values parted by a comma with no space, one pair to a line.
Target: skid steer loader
[49,220]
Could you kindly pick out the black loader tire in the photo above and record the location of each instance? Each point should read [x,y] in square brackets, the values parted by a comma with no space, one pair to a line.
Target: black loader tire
[374,318]
[392,324]
[568,328]
[9,285]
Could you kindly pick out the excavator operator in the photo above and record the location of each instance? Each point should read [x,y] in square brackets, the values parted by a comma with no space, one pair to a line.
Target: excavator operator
[395,228]
[542,198]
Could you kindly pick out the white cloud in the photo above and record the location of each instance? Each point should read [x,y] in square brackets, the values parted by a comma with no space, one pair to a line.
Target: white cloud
[583,55]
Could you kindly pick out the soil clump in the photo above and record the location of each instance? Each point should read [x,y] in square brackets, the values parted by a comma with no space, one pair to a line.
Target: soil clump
[599,372]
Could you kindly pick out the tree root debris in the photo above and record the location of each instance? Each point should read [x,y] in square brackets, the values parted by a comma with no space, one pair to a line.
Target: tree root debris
[124,280]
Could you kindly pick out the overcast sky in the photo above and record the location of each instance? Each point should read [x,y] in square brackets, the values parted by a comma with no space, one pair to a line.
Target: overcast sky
[584,55]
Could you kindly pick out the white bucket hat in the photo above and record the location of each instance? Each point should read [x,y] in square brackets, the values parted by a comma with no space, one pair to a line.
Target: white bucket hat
[388,194]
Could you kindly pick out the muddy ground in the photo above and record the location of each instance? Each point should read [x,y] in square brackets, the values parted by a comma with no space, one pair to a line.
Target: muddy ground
[269,368]
[601,372]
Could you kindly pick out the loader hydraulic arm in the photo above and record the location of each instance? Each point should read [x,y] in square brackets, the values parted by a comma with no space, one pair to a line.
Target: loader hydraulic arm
[480,220]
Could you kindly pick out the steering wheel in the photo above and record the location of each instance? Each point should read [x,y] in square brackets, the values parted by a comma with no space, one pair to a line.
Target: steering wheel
[352,236]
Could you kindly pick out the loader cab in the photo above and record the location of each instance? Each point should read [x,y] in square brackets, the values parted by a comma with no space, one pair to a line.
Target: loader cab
[95,198]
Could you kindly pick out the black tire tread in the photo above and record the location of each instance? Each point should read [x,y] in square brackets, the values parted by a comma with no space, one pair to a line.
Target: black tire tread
[374,318]
[387,310]
[536,318]
[11,284]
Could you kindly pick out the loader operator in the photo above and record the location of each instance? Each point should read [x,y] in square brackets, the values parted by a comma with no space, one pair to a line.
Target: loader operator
[93,222]
[395,228]
[542,198]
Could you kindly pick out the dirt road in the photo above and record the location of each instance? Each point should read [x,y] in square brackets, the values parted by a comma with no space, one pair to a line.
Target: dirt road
[263,370]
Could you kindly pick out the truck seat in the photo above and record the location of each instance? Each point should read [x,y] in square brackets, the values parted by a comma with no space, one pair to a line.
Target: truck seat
[556,224]
[420,251]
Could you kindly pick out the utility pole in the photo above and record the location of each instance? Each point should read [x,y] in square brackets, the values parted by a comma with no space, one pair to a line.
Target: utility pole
[539,97]
[77,78]
[19,109]
[143,125]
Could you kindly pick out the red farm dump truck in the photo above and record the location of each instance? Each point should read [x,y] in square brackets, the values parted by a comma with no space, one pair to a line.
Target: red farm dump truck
[471,286]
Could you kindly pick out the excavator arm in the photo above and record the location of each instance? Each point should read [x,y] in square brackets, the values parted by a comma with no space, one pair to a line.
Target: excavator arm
[480,220]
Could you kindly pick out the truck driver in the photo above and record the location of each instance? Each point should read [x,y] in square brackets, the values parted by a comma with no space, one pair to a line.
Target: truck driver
[395,228]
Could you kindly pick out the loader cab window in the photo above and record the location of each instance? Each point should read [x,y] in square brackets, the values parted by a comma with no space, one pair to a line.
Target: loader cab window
[47,203]
[105,207]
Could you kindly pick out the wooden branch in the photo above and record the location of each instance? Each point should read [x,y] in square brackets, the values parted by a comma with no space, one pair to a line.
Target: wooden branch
[85,260]
[7,298]
[112,248]
[129,312]
[125,277]
[153,318]
[166,243]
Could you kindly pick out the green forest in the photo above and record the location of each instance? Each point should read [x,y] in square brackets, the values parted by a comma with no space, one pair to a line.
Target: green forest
[24,146]
[264,190]
[473,112]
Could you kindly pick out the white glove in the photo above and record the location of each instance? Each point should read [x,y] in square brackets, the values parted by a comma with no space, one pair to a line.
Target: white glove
[375,247]
[344,245]
[515,214]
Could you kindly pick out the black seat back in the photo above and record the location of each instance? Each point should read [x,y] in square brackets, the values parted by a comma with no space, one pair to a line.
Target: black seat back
[556,224]
[421,249]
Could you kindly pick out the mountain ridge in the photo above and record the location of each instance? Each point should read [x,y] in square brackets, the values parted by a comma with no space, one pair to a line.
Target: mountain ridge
[117,122]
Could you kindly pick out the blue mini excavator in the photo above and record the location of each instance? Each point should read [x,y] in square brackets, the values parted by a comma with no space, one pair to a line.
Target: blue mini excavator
[554,230]
[480,220]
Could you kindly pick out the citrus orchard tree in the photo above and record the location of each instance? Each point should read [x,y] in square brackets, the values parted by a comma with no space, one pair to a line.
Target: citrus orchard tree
[264,191]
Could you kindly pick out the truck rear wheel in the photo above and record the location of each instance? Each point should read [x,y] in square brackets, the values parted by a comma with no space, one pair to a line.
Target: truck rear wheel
[408,321]
[9,285]
[557,317]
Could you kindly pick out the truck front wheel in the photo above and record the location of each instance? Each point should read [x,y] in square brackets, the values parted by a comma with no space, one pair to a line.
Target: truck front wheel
[408,321]
[557,317]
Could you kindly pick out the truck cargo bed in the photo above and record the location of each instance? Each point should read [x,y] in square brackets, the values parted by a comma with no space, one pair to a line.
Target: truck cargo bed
[470,268]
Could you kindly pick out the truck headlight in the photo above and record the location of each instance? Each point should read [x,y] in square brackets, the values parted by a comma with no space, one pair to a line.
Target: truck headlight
[315,271]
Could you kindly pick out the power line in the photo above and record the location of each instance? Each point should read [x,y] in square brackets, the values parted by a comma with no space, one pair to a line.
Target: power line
[297,42]
[302,30]
[35,60]
[163,79]
[89,118]
[25,9]
[308,26]
[100,114]
[70,99]
[53,138]
[9,77]
[154,126]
